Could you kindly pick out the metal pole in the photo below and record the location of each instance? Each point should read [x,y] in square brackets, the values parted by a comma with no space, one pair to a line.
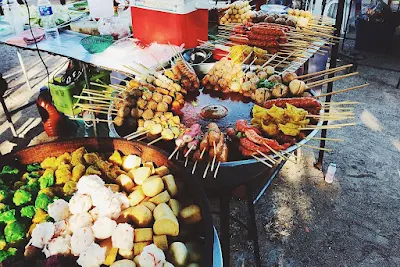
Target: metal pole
[347,24]
[333,61]
[21,62]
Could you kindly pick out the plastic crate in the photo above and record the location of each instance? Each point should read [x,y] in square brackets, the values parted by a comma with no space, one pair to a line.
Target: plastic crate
[63,95]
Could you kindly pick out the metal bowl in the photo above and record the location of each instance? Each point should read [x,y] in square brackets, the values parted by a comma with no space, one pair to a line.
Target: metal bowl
[108,145]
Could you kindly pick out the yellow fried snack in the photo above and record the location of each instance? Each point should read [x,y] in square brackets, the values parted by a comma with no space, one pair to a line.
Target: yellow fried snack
[143,234]
[111,252]
[40,216]
[160,198]
[141,215]
[276,113]
[78,171]
[162,171]
[49,163]
[153,186]
[92,170]
[296,114]
[170,184]
[150,205]
[290,129]
[91,158]
[64,158]
[138,247]
[136,196]
[175,206]
[126,182]
[270,129]
[63,175]
[126,254]
[69,188]
[77,156]
[161,241]
[191,214]
[116,158]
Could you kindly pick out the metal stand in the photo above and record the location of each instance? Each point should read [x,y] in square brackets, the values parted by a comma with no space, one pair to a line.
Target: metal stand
[21,63]
[333,61]
[225,199]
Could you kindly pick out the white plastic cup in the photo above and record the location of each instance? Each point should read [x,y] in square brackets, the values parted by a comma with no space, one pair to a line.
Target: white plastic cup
[100,9]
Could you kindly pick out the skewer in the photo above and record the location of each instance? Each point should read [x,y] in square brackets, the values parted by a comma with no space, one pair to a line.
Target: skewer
[340,103]
[206,170]
[155,141]
[322,73]
[216,170]
[186,161]
[278,154]
[96,107]
[315,147]
[327,139]
[334,79]
[262,161]
[101,95]
[267,157]
[95,119]
[119,79]
[333,126]
[136,136]
[173,152]
[91,99]
[188,152]
[194,166]
[97,111]
[141,138]
[215,157]
[202,153]
[177,155]
[342,91]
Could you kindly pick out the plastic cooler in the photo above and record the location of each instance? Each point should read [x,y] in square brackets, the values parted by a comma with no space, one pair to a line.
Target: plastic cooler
[173,21]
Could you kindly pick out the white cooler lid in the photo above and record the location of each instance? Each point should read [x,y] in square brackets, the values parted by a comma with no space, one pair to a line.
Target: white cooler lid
[170,6]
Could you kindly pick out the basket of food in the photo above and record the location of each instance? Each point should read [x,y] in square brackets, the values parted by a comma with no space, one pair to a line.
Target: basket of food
[96,202]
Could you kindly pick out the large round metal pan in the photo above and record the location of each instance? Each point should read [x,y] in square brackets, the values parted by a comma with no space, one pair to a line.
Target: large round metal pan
[108,145]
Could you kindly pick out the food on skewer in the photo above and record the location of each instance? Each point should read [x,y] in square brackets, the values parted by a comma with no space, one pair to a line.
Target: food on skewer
[182,73]
[237,12]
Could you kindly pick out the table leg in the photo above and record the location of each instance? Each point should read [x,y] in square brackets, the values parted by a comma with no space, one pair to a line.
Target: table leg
[21,62]
[252,225]
[8,116]
[225,201]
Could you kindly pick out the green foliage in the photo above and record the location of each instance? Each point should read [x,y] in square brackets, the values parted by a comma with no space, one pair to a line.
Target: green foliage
[14,232]
[28,211]
[33,167]
[21,197]
[42,201]
[7,216]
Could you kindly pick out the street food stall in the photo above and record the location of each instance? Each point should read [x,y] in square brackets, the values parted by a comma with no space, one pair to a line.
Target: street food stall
[190,107]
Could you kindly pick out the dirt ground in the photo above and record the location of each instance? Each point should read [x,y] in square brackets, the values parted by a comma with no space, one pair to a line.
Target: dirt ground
[302,221]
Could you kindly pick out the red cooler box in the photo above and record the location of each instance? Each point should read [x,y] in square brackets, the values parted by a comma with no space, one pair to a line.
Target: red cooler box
[175,21]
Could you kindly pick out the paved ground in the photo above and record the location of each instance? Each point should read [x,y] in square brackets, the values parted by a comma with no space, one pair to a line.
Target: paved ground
[302,221]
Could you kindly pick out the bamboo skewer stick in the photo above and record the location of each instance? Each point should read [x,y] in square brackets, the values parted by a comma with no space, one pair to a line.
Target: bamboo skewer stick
[217,169]
[324,71]
[215,157]
[194,166]
[136,136]
[315,147]
[186,161]
[334,79]
[95,119]
[119,79]
[177,155]
[155,141]
[327,139]
[206,170]
[343,91]
[278,154]
[95,107]
[332,126]
[340,103]
[262,161]
[188,152]
[93,100]
[98,111]
[173,152]
[267,157]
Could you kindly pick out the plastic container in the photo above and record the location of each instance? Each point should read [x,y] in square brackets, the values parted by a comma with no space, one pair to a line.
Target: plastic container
[176,22]
[100,9]
[49,24]
[13,15]
[63,95]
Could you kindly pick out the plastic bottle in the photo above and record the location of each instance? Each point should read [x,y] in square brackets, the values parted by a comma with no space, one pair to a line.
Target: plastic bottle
[13,15]
[330,173]
[53,122]
[48,21]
